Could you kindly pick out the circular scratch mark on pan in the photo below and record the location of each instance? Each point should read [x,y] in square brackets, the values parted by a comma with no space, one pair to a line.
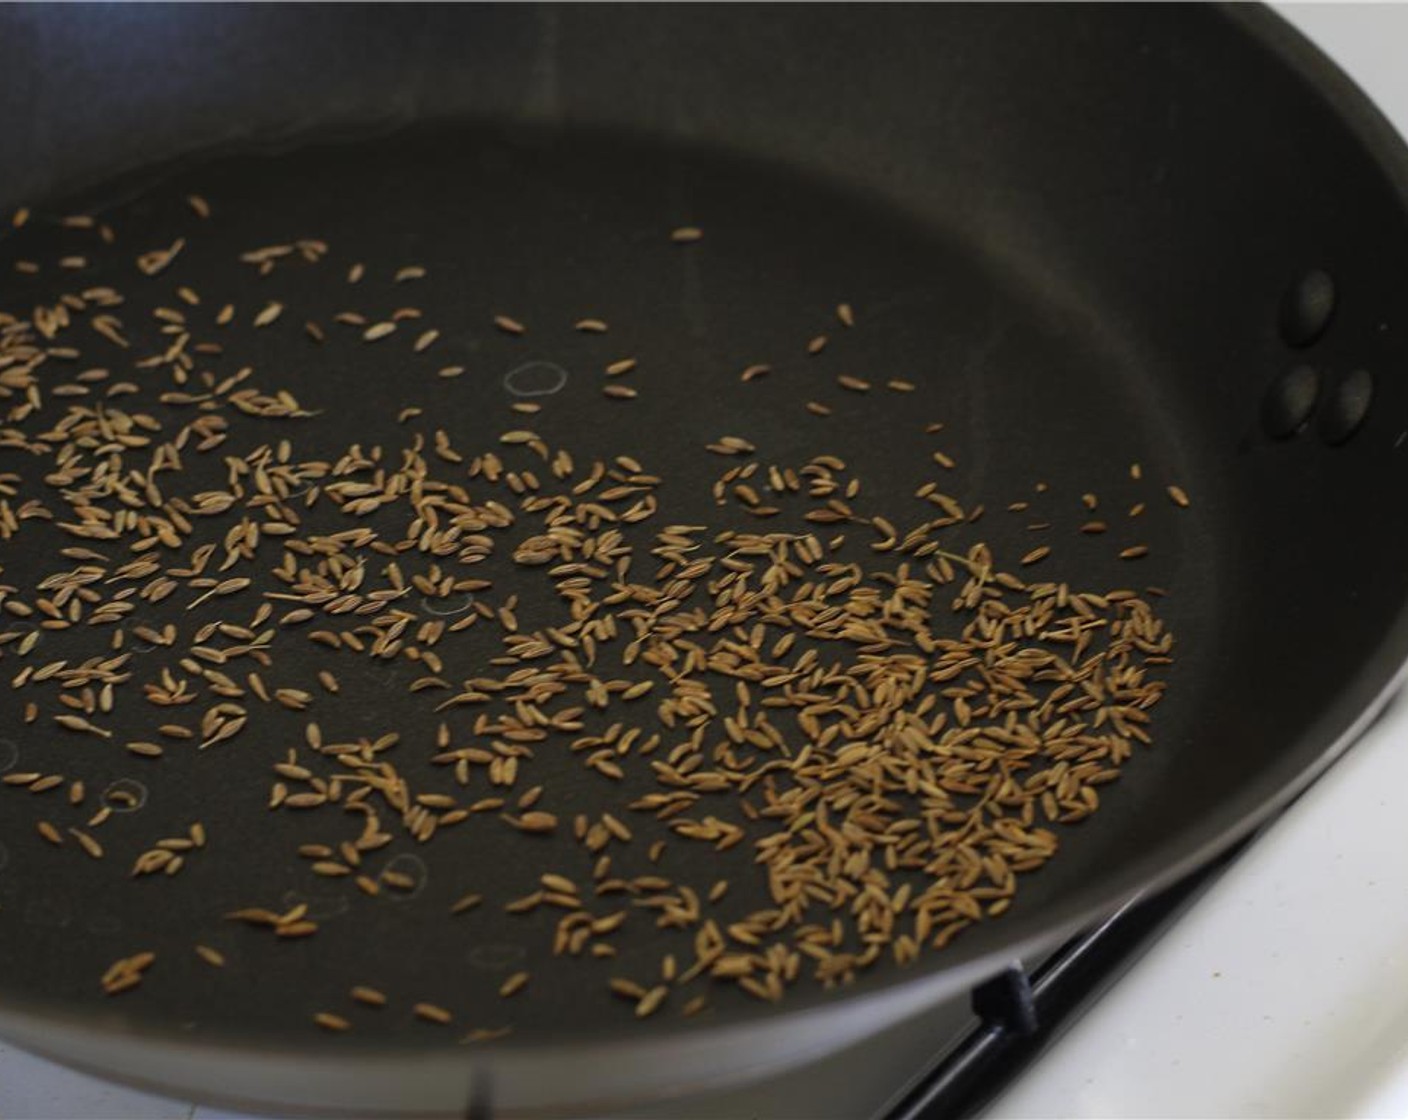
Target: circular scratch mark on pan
[126,795]
[455,604]
[535,379]
[141,645]
[496,957]
[411,866]
[9,754]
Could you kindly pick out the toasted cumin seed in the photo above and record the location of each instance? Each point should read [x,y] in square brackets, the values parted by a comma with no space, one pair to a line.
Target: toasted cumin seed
[684,235]
[90,846]
[508,325]
[212,957]
[651,1001]
[432,1013]
[627,989]
[515,983]
[1179,496]
[369,996]
[330,1022]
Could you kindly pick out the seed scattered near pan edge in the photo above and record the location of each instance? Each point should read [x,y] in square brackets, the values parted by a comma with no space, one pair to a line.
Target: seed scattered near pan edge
[369,996]
[330,1022]
[651,1001]
[89,845]
[432,1013]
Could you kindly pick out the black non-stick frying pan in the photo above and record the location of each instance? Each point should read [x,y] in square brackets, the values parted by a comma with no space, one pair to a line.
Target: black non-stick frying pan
[1090,236]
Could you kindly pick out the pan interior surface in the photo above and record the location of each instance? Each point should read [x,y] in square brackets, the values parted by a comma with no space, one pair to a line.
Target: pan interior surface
[546,230]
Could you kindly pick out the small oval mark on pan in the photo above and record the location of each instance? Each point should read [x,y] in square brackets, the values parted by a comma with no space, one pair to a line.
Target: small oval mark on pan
[135,643]
[126,795]
[103,924]
[1289,402]
[1307,308]
[48,913]
[535,379]
[414,868]
[455,604]
[495,957]
[1346,407]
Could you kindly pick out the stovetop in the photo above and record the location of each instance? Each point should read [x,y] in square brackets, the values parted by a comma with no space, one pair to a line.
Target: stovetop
[1272,984]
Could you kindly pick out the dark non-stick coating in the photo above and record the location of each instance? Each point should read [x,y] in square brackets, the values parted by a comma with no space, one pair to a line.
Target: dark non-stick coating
[1071,227]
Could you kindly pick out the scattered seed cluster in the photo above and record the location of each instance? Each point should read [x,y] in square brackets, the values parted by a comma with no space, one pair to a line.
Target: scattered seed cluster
[894,729]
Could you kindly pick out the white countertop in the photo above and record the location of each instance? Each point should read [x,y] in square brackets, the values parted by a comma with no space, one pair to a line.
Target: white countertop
[1284,991]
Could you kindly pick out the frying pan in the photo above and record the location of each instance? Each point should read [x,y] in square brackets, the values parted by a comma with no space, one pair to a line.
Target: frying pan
[1094,236]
